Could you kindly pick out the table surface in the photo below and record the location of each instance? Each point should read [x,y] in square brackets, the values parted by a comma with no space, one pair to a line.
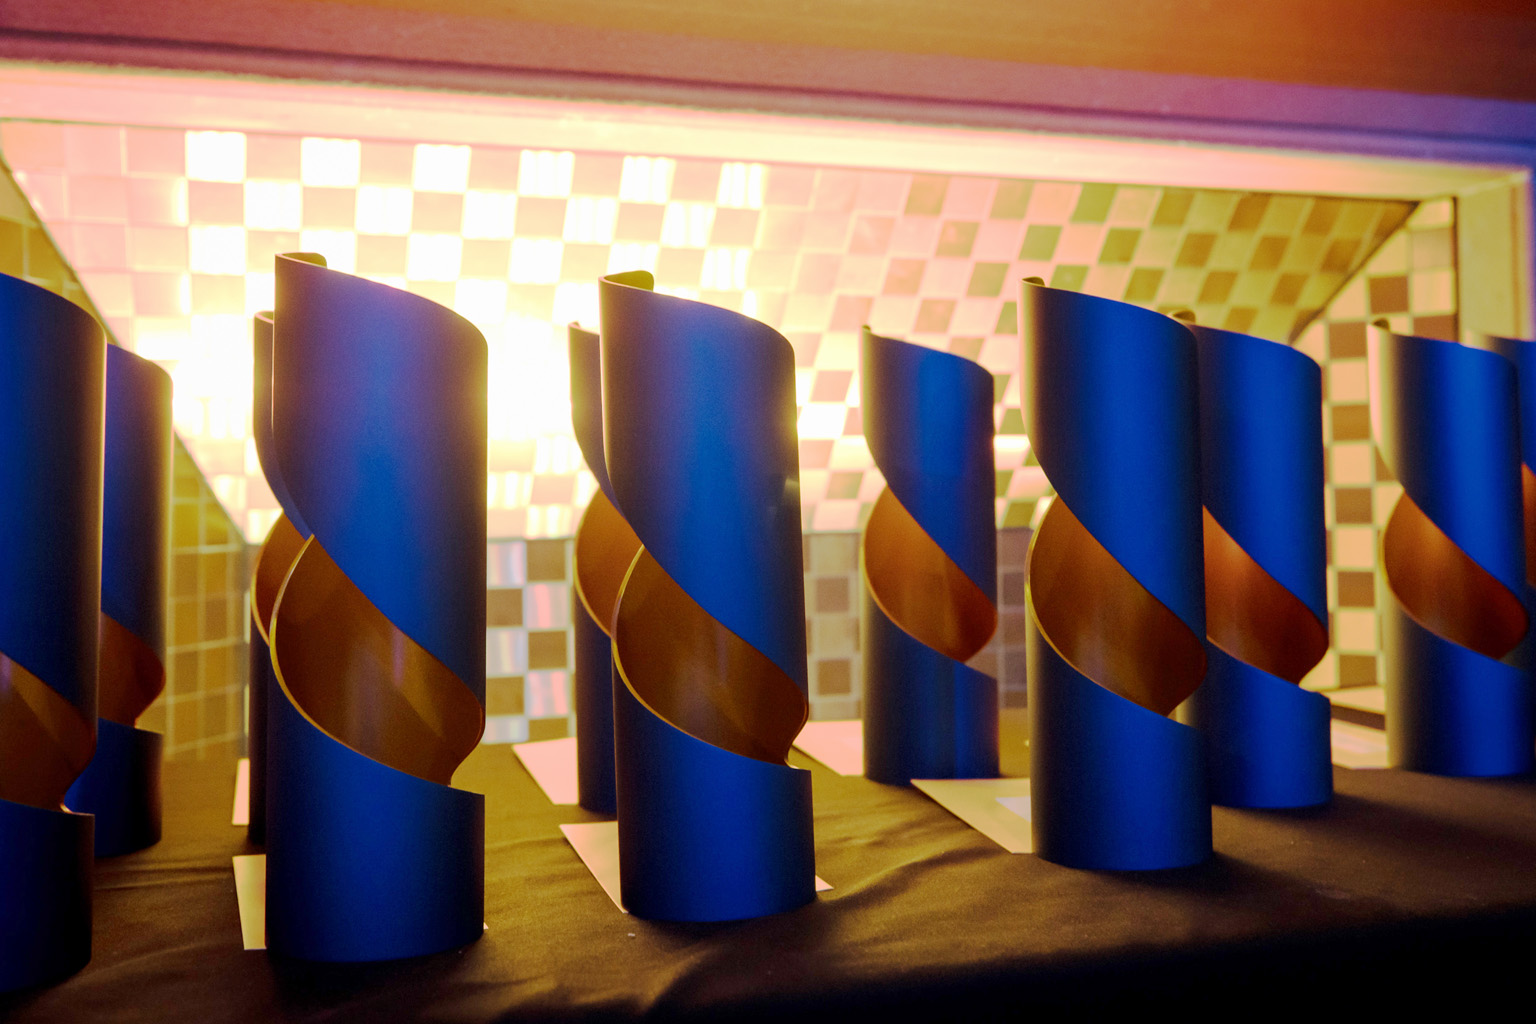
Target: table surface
[1407,887]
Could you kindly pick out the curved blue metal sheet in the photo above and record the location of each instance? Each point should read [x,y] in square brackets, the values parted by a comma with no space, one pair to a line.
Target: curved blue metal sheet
[928,420]
[1113,786]
[52,388]
[1268,741]
[593,699]
[587,403]
[1261,448]
[706,834]
[1261,445]
[258,683]
[45,887]
[1522,353]
[1451,710]
[136,496]
[261,418]
[364,862]
[380,436]
[121,788]
[1110,406]
[1447,423]
[705,468]
[926,716]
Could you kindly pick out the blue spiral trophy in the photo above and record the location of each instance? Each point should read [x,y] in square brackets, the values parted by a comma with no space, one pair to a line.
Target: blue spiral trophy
[52,385]
[121,786]
[1114,584]
[1446,420]
[605,546]
[1266,587]
[709,631]
[929,565]
[1522,354]
[377,633]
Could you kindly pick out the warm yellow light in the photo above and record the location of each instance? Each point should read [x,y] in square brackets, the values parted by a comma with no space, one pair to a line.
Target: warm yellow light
[542,172]
[822,420]
[687,224]
[216,249]
[440,168]
[489,214]
[646,179]
[590,220]
[632,256]
[274,205]
[725,269]
[383,210]
[216,156]
[338,247]
[741,185]
[433,257]
[535,261]
[330,163]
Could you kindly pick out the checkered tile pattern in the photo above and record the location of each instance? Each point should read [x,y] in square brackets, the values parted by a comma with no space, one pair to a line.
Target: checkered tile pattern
[173,234]
[1411,281]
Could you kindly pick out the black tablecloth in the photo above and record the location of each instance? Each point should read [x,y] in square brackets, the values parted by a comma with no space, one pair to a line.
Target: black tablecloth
[1409,888]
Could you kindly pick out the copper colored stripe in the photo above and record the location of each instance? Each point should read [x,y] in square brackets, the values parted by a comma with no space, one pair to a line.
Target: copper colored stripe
[1528,493]
[1251,616]
[273,561]
[1106,624]
[605,547]
[362,680]
[919,587]
[699,676]
[129,675]
[45,742]
[1443,589]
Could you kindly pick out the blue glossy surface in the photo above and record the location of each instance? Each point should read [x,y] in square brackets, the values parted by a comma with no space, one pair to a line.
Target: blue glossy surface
[592,694]
[1448,427]
[136,496]
[587,403]
[926,716]
[928,420]
[1110,405]
[699,430]
[1268,741]
[121,788]
[379,425]
[364,862]
[706,834]
[1261,447]
[1113,786]
[52,388]
[45,887]
[699,421]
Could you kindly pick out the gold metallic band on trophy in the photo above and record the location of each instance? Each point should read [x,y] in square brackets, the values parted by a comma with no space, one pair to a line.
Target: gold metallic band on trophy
[47,742]
[605,547]
[277,555]
[692,671]
[364,682]
[919,587]
[129,674]
[1104,623]
[1528,501]
[1443,589]
[1251,616]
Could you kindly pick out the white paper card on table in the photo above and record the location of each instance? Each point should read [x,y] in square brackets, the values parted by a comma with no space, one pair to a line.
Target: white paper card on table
[241,815]
[597,844]
[1356,746]
[997,808]
[251,892]
[839,744]
[552,763]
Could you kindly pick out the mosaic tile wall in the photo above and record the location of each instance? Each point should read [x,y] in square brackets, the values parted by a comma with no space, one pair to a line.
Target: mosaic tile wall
[201,712]
[529,640]
[1411,281]
[173,233]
